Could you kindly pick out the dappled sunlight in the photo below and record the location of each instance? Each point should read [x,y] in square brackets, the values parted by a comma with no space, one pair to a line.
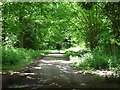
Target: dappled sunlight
[58,51]
[81,59]
[26,74]
[102,73]
[52,71]
[37,68]
[67,45]
[28,77]
[41,64]
[83,84]
[10,73]
[78,72]
[66,71]
[74,59]
[19,86]
[77,48]
[55,55]
[59,66]
[56,61]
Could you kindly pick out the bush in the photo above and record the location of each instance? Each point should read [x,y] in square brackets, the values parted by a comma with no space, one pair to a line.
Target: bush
[103,60]
[15,56]
[100,60]
[85,61]
[9,57]
[96,59]
[76,53]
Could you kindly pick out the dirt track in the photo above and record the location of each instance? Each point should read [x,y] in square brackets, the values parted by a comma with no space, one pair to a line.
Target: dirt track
[53,71]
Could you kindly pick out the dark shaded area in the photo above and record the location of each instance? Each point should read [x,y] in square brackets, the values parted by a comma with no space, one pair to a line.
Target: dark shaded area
[58,46]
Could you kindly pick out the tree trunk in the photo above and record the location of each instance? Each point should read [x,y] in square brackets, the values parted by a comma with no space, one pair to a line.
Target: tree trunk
[113,49]
[21,39]
[21,33]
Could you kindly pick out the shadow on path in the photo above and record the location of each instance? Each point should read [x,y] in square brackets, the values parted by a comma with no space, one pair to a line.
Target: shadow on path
[53,71]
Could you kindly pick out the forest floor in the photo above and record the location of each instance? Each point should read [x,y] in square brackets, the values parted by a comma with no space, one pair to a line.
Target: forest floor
[53,71]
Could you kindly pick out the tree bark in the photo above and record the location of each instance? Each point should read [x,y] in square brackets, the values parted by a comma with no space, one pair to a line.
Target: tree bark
[21,33]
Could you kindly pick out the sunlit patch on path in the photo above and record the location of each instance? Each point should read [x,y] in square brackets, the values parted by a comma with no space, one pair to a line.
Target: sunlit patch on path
[53,71]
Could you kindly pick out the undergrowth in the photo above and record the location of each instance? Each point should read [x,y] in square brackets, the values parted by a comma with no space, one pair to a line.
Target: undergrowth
[95,59]
[15,58]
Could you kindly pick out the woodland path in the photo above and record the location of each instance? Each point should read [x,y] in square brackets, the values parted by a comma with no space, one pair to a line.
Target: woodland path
[53,71]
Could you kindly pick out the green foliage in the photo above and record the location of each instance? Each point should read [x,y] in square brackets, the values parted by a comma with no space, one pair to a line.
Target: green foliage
[85,61]
[96,59]
[35,23]
[40,26]
[76,53]
[43,24]
[15,56]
